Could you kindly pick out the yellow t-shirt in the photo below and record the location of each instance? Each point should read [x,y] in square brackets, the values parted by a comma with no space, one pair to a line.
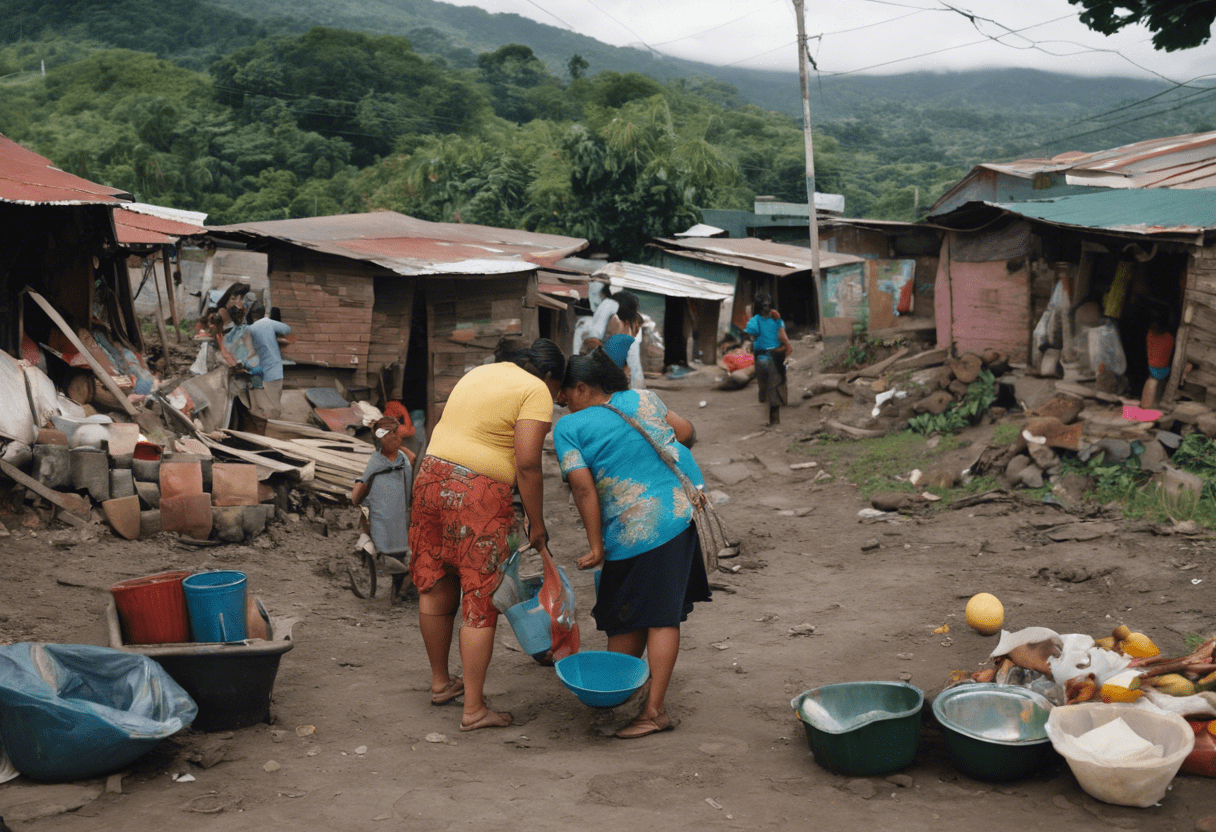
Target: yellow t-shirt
[477,428]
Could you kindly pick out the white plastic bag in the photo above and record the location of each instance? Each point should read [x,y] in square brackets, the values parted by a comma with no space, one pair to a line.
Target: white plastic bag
[1106,348]
[1135,779]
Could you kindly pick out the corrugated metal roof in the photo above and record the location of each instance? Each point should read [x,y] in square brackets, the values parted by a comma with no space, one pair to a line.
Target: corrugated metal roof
[29,179]
[181,215]
[663,282]
[410,246]
[757,255]
[138,228]
[703,230]
[1149,212]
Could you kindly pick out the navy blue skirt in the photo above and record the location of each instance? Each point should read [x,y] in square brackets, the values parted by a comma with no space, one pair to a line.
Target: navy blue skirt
[654,589]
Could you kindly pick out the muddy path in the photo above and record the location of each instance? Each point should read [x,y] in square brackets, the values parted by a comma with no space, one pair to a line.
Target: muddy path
[738,758]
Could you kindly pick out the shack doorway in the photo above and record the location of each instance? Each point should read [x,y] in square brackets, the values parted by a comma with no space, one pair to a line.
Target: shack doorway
[417,360]
[675,332]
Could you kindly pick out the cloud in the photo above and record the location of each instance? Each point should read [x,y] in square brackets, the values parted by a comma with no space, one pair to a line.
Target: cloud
[877,36]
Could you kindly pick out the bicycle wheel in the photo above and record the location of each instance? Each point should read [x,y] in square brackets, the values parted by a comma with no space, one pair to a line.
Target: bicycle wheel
[361,568]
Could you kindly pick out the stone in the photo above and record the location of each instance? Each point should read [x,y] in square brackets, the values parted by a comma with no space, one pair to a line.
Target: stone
[122,439]
[1206,824]
[91,472]
[861,788]
[1043,456]
[1061,407]
[732,474]
[146,470]
[22,801]
[1073,487]
[122,484]
[1188,412]
[1153,457]
[935,403]
[271,766]
[966,367]
[940,478]
[1015,466]
[1175,481]
[904,781]
[52,465]
[1061,802]
[1057,434]
[892,500]
[1116,450]
[871,544]
[149,523]
[1031,476]
[50,436]
[114,783]
[1206,424]
[189,514]
[149,494]
[957,388]
[122,514]
[1107,381]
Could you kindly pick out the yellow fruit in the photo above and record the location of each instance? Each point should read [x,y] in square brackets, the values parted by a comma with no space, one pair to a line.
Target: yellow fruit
[985,614]
[1122,687]
[1107,643]
[1175,684]
[1212,727]
[1122,632]
[1140,646]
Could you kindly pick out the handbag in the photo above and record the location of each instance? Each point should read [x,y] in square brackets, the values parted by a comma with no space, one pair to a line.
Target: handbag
[711,530]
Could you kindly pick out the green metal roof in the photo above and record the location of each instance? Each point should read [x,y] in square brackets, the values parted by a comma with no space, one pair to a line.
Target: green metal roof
[1137,211]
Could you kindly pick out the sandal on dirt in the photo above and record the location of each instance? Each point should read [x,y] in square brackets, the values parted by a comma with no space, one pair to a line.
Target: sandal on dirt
[644,726]
[490,719]
[454,690]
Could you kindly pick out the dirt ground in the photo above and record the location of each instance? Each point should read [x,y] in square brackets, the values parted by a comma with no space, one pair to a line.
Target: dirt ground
[738,758]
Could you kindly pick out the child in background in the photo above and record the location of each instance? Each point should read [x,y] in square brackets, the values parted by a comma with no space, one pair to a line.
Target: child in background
[385,487]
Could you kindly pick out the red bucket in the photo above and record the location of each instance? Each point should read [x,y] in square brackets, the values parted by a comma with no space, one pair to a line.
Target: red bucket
[153,609]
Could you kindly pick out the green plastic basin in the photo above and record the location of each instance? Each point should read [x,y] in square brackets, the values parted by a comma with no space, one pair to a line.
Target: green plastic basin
[995,732]
[861,729]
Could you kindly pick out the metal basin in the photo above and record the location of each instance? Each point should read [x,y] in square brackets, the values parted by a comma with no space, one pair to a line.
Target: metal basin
[861,729]
[995,732]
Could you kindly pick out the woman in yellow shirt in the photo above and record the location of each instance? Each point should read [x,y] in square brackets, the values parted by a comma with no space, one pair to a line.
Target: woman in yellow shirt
[488,439]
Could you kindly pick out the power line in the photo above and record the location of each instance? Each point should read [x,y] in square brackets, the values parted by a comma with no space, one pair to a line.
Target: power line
[719,26]
[1125,122]
[552,15]
[622,24]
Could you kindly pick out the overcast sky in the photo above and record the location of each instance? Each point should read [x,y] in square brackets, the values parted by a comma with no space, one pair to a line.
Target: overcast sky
[761,34]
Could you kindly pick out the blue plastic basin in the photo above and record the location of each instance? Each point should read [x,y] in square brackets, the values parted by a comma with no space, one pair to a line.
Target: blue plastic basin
[216,603]
[602,679]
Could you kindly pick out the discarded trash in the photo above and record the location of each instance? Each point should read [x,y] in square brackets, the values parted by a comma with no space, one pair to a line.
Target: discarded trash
[361,750]
[306,730]
[802,630]
[184,778]
[715,804]
[702,403]
[800,466]
[434,737]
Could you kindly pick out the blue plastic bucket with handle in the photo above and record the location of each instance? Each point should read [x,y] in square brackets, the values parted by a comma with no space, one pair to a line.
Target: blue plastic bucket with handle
[216,603]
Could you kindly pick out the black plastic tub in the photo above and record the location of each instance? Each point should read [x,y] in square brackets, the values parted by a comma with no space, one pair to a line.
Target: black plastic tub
[230,683]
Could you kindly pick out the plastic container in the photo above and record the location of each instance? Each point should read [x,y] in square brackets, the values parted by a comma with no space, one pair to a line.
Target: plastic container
[216,602]
[73,711]
[153,608]
[230,683]
[532,627]
[995,732]
[861,729]
[602,679]
[1137,783]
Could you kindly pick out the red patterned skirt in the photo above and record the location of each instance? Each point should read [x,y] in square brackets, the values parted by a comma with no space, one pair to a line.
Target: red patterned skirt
[459,525]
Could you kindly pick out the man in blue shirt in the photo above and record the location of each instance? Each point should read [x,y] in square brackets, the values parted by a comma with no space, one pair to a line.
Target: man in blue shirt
[267,402]
[770,345]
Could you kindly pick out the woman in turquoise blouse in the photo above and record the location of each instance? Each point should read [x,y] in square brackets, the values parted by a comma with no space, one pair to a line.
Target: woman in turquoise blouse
[637,516]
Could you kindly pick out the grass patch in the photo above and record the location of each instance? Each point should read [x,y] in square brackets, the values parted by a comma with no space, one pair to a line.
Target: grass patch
[1004,434]
[876,464]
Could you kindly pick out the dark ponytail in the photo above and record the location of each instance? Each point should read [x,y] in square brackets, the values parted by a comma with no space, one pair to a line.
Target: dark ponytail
[542,358]
[595,370]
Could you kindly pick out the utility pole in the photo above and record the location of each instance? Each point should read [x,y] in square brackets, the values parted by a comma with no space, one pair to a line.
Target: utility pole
[810,159]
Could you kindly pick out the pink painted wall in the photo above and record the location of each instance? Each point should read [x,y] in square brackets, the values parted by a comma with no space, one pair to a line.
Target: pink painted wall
[983,306]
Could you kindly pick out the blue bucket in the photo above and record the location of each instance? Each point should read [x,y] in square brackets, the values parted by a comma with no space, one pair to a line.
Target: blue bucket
[216,603]
[532,626]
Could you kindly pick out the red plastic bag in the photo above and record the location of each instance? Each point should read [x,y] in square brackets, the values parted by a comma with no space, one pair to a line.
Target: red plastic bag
[557,598]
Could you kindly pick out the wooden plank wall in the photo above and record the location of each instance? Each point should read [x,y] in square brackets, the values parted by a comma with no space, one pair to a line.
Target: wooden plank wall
[392,315]
[328,303]
[1194,367]
[466,318]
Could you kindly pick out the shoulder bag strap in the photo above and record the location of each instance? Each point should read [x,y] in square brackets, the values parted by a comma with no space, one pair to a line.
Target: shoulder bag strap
[675,469]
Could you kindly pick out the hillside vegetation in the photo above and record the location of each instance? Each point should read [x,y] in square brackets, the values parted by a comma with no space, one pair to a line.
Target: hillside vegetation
[222,107]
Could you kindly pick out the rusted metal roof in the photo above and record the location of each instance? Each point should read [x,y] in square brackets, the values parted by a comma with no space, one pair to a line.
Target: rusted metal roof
[756,255]
[663,282]
[410,246]
[138,228]
[29,179]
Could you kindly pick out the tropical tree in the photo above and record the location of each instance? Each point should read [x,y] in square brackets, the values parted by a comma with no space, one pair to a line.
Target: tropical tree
[1177,24]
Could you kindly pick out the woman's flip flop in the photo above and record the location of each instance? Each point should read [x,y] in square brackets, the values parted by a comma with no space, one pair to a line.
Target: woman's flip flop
[490,719]
[453,691]
[645,726]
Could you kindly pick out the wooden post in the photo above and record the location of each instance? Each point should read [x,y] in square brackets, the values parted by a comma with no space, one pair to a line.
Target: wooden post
[160,323]
[177,324]
[98,370]
[813,222]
